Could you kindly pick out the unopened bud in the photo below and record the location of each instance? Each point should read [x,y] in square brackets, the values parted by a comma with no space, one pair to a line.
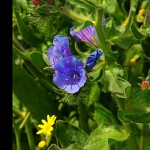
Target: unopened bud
[144,85]
[41,144]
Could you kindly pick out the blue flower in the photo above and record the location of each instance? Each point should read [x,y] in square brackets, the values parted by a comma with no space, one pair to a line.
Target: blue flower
[69,74]
[69,71]
[91,60]
[59,50]
[88,34]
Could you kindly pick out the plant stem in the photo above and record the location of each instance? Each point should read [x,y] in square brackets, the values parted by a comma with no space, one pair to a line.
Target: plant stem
[121,106]
[25,120]
[99,28]
[83,118]
[17,135]
[30,136]
[144,132]
[18,112]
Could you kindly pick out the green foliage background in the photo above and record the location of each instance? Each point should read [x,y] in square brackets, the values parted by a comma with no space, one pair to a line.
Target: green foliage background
[111,112]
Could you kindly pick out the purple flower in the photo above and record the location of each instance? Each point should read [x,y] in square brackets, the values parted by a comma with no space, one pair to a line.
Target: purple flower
[69,74]
[87,34]
[69,71]
[148,15]
[59,50]
[149,2]
[91,60]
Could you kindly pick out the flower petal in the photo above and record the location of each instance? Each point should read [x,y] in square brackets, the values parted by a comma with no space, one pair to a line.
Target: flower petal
[83,78]
[68,74]
[72,88]
[54,55]
[59,79]
[41,126]
[69,63]
[44,122]
[48,118]
[51,129]
[65,65]
[40,131]
[87,34]
[52,120]
[59,50]
[62,44]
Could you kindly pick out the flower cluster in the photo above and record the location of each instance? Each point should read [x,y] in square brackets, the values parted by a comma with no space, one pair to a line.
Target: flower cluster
[69,71]
[89,34]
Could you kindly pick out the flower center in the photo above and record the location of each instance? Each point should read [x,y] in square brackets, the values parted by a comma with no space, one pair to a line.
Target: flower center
[47,127]
[73,77]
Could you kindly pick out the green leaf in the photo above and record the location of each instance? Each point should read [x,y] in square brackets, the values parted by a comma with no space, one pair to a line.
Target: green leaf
[89,5]
[68,134]
[110,6]
[98,139]
[44,9]
[28,35]
[139,118]
[137,107]
[136,33]
[78,27]
[134,114]
[112,77]
[133,6]
[94,93]
[71,147]
[145,45]
[45,58]
[37,60]
[32,94]
[111,29]
[103,115]
[139,97]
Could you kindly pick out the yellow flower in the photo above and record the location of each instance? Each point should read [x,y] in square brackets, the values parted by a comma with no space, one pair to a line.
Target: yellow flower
[134,59]
[46,128]
[125,22]
[41,144]
[141,12]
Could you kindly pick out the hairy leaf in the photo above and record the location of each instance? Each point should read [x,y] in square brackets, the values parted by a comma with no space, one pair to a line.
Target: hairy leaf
[68,134]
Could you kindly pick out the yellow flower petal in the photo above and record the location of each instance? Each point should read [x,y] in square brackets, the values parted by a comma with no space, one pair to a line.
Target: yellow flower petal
[40,131]
[44,122]
[46,127]
[49,133]
[52,120]
[48,118]
[41,126]
[51,129]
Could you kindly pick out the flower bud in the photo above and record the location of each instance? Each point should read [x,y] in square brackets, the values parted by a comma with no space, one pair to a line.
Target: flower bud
[144,85]
[41,144]
[141,12]
[36,2]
